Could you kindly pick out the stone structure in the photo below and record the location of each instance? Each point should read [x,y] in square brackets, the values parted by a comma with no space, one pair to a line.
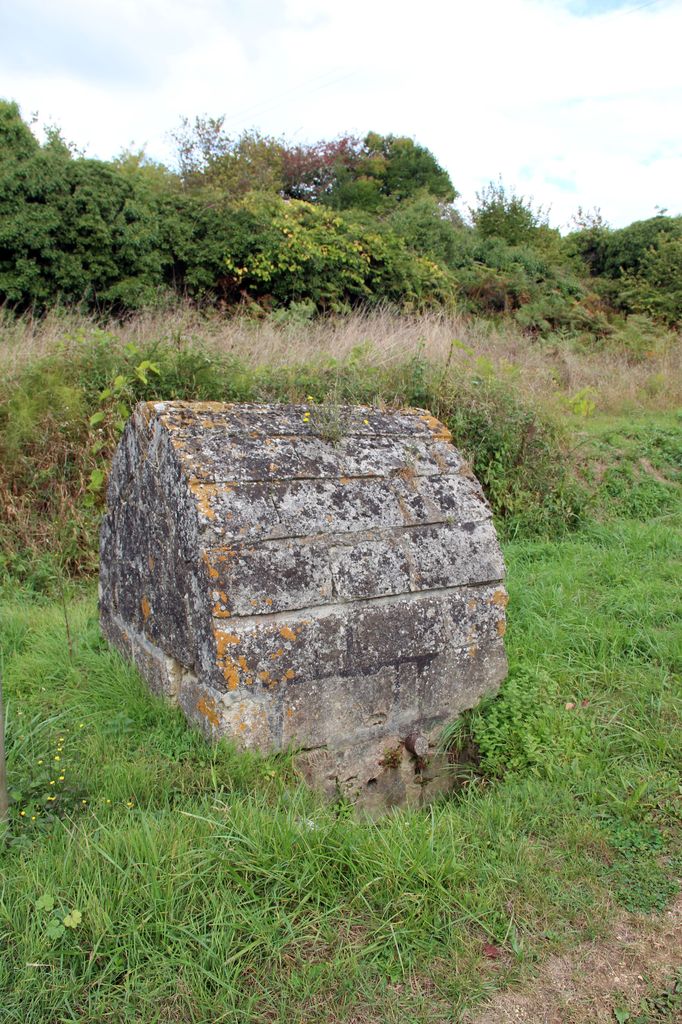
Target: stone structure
[314,577]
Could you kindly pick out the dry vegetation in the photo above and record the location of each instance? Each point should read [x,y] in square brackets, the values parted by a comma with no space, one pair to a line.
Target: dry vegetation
[628,972]
[617,377]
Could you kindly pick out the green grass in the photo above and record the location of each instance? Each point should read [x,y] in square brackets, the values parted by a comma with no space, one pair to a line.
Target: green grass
[639,465]
[213,887]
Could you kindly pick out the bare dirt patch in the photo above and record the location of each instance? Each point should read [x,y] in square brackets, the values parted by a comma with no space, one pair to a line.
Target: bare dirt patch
[585,987]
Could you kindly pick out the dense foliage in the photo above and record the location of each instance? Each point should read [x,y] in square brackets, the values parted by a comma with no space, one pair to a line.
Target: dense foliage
[258,220]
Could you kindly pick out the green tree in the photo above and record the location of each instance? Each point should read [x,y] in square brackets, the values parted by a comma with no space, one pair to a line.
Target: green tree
[387,170]
[627,248]
[17,141]
[73,230]
[210,159]
[430,227]
[513,218]
[657,286]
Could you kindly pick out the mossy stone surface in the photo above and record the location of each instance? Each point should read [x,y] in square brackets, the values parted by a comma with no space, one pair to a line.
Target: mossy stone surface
[290,588]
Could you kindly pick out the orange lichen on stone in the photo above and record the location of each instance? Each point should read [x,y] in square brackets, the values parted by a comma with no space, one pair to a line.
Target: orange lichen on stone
[202,495]
[471,604]
[439,430]
[289,674]
[151,563]
[213,557]
[500,598]
[407,473]
[501,627]
[287,633]
[241,661]
[264,676]
[194,407]
[230,672]
[268,600]
[223,641]
[278,653]
[146,608]
[473,651]
[209,422]
[220,605]
[207,709]
[210,569]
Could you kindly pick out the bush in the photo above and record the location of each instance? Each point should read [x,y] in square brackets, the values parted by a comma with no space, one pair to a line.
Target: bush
[657,287]
[74,230]
[516,451]
[295,251]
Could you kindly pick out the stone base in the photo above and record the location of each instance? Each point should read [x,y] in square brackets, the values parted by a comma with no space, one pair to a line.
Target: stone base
[375,773]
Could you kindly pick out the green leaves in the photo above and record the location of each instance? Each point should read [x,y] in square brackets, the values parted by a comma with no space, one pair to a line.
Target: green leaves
[96,480]
[109,421]
[55,929]
[56,926]
[143,369]
[45,902]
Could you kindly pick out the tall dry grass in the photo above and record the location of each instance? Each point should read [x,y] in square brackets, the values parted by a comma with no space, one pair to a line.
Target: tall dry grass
[617,379]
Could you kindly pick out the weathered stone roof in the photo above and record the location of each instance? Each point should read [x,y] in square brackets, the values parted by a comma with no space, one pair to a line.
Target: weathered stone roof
[272,566]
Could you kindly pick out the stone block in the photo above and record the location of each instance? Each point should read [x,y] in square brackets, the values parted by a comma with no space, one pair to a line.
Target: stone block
[292,587]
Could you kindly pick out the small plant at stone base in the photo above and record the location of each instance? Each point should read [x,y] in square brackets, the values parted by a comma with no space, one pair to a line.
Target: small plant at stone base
[392,757]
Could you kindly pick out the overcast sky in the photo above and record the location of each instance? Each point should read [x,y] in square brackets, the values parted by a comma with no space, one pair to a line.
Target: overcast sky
[573,102]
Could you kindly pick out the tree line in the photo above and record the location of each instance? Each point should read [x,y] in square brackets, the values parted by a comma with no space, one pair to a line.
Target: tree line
[324,227]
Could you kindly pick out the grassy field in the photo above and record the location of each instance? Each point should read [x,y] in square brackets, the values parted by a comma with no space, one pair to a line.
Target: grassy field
[147,877]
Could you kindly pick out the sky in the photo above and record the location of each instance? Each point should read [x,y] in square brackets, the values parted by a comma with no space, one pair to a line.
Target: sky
[575,103]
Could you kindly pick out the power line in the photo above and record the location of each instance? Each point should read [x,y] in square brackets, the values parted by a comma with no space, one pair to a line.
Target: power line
[633,10]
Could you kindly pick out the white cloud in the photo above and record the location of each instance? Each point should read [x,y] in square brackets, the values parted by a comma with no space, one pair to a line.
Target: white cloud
[573,110]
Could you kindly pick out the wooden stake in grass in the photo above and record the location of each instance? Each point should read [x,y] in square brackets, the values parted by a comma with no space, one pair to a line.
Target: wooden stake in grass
[4,798]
